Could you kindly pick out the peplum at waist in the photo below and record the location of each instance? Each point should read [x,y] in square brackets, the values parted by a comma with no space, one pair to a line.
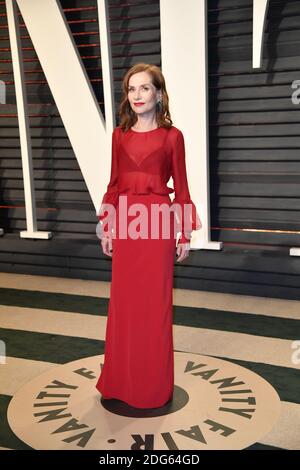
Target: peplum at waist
[143,184]
[132,183]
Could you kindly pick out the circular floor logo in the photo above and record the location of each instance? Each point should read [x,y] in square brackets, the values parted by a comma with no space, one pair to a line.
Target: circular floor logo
[216,405]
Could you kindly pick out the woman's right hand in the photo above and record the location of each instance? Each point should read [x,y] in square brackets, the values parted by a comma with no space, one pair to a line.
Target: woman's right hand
[106,243]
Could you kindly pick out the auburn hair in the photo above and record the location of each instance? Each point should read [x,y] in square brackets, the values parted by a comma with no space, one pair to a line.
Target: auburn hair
[127,116]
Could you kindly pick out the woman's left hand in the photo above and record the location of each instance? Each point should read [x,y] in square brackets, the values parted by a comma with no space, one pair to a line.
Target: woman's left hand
[182,251]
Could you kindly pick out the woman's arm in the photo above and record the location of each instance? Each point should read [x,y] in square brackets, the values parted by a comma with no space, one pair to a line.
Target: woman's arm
[111,196]
[188,217]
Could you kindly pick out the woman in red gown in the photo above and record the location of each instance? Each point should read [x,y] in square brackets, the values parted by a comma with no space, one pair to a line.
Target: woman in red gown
[146,150]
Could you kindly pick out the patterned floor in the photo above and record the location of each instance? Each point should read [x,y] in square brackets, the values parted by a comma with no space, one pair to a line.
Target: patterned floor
[46,321]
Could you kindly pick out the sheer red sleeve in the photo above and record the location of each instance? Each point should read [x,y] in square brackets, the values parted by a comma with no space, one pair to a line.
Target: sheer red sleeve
[185,209]
[110,198]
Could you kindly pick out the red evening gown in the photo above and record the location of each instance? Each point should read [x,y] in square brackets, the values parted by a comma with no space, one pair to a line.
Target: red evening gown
[138,358]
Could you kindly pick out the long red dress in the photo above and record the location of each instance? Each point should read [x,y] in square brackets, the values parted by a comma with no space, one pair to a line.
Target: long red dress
[138,358]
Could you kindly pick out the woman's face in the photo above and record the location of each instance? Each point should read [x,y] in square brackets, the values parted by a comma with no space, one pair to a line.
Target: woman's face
[141,90]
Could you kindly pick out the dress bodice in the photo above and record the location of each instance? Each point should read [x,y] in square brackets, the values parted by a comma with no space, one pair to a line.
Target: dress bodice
[143,162]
